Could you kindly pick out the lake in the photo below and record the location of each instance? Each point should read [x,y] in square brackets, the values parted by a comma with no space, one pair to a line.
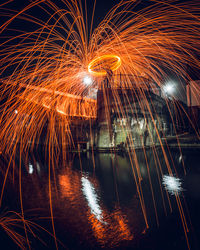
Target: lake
[137,200]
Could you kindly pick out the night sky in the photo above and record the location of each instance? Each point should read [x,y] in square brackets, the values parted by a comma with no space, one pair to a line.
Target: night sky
[102,8]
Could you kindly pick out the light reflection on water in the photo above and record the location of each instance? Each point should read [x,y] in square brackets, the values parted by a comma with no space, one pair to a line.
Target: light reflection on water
[80,193]
[101,208]
[172,184]
[92,198]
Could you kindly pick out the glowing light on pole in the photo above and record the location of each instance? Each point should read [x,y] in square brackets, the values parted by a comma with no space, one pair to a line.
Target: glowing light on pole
[87,80]
[169,88]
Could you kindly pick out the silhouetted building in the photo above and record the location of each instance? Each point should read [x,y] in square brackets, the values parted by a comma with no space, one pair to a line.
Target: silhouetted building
[132,117]
[193,102]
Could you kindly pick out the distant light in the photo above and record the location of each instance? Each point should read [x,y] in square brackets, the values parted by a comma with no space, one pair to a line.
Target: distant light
[30,169]
[141,124]
[38,167]
[87,80]
[169,88]
[16,112]
[172,184]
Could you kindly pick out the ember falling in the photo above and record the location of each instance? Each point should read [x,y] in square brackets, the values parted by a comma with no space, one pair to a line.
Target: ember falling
[74,94]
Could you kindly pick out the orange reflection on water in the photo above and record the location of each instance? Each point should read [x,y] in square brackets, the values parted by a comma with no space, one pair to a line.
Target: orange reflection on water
[122,226]
[109,228]
[98,228]
[113,230]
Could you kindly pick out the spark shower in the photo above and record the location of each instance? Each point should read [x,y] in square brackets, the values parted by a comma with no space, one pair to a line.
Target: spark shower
[64,47]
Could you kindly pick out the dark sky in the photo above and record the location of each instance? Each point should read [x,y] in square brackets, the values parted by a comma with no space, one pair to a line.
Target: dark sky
[102,7]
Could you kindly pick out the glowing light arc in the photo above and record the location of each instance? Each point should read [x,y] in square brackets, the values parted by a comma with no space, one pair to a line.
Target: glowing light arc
[100,65]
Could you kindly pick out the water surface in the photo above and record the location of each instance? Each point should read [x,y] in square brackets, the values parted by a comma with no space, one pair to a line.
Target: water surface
[109,200]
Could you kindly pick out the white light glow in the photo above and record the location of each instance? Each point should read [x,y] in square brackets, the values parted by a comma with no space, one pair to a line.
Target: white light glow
[38,167]
[141,124]
[92,198]
[172,184]
[30,169]
[16,111]
[169,88]
[87,80]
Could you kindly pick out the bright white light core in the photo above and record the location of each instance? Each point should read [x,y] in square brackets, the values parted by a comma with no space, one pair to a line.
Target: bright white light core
[87,80]
[172,184]
[30,169]
[92,198]
[169,88]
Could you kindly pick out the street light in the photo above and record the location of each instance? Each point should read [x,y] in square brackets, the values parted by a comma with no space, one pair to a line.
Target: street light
[87,80]
[169,88]
[169,91]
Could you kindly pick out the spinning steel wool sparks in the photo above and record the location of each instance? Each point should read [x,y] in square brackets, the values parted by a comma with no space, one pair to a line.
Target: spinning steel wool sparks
[99,65]
[61,52]
[45,74]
